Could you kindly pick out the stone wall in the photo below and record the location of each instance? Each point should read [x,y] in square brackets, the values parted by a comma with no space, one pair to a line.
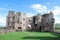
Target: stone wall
[20,22]
[16,21]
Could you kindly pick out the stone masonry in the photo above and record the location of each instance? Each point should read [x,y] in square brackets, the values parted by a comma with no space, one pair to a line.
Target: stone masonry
[16,21]
[20,22]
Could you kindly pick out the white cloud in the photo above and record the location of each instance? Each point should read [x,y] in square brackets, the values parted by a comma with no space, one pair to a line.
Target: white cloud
[43,9]
[3,16]
[56,11]
[30,14]
[57,19]
[39,7]
[2,20]
[3,9]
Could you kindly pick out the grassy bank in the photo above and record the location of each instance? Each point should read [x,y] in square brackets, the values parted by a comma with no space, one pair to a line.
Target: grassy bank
[30,36]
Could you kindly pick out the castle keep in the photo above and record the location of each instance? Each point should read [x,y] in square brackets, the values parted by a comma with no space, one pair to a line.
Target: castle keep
[20,22]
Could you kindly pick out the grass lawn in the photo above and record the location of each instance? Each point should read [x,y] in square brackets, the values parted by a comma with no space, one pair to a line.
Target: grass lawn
[30,36]
[57,28]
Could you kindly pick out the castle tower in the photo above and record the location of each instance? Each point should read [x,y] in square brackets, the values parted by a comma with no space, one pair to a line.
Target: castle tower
[48,22]
[10,20]
[51,21]
[20,21]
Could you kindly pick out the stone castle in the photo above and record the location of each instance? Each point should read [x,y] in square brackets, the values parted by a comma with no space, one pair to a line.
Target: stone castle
[20,22]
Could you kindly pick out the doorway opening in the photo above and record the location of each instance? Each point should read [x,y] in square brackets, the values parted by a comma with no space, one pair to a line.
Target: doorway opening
[19,27]
[40,28]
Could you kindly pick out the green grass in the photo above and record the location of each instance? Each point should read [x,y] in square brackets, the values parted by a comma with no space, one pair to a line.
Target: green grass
[30,36]
[2,27]
[57,28]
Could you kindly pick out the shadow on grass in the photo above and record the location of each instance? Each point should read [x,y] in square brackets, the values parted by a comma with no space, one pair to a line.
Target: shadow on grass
[43,38]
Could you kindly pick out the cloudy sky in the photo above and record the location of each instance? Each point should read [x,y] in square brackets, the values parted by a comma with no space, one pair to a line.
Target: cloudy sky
[30,7]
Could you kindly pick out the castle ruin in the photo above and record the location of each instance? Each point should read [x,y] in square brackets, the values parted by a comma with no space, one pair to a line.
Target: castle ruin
[20,22]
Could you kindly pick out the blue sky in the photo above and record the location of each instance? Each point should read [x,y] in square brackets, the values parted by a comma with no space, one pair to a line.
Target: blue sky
[30,7]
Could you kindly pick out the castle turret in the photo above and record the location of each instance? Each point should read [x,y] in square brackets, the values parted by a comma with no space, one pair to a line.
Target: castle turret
[10,20]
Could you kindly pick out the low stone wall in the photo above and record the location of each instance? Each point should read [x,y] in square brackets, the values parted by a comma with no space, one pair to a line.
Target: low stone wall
[57,31]
[2,31]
